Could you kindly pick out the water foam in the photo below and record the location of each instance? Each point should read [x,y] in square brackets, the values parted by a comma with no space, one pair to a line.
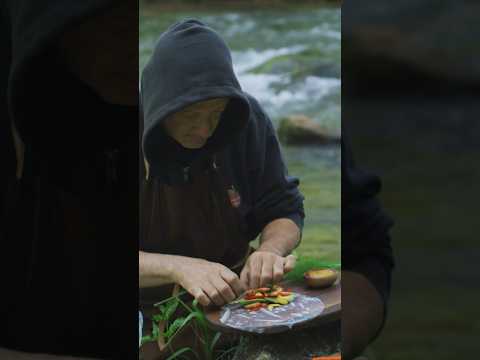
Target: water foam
[250,58]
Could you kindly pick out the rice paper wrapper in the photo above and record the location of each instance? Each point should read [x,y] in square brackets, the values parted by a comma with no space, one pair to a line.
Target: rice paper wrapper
[302,308]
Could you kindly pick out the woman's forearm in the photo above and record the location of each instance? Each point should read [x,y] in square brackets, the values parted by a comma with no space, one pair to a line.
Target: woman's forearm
[155,269]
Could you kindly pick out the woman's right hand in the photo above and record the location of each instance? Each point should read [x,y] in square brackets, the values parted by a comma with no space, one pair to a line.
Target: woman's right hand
[208,282]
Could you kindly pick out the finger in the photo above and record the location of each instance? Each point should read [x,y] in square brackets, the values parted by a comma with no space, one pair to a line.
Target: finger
[212,292]
[244,276]
[201,297]
[267,270]
[255,272]
[224,289]
[233,280]
[278,270]
[290,262]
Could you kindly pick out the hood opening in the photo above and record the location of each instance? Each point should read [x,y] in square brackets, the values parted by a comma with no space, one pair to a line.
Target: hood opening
[191,63]
[30,57]
[166,154]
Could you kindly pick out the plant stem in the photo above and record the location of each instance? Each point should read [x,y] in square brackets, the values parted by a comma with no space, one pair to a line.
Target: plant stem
[170,298]
[185,305]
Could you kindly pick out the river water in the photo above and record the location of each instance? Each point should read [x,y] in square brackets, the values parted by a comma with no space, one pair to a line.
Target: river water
[289,60]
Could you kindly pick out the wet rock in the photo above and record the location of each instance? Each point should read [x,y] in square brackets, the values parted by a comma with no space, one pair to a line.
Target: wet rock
[301,130]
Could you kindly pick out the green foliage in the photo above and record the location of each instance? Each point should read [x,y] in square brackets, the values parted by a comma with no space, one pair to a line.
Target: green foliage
[195,316]
[305,263]
[178,353]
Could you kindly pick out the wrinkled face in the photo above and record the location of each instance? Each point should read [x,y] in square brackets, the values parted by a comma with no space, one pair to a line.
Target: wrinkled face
[191,127]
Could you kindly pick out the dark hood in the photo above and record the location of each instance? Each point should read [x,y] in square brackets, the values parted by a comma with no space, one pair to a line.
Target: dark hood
[50,227]
[190,63]
[50,107]
[29,30]
[35,28]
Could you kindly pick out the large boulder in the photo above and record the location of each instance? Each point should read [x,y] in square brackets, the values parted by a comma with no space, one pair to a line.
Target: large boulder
[430,38]
[301,130]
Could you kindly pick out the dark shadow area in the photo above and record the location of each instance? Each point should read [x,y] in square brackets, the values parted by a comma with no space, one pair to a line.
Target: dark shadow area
[415,123]
[69,180]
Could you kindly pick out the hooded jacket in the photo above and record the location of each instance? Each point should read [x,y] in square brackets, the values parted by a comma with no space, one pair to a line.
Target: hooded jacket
[192,63]
[73,204]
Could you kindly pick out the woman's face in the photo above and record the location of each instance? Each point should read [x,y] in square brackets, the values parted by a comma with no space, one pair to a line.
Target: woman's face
[192,126]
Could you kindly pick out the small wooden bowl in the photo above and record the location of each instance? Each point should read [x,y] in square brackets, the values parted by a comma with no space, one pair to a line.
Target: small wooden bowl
[321,277]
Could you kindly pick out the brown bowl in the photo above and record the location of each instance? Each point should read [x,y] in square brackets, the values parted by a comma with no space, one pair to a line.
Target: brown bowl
[320,277]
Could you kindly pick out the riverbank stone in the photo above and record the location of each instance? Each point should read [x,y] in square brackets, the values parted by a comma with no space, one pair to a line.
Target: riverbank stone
[302,130]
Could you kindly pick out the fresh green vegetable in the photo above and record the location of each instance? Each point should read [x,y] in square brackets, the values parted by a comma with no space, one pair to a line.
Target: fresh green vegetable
[272,306]
[166,310]
[279,300]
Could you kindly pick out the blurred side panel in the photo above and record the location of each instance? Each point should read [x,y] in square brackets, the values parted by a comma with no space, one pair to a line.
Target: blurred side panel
[411,81]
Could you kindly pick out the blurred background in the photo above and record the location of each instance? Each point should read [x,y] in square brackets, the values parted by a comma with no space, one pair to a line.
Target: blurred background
[411,86]
[287,54]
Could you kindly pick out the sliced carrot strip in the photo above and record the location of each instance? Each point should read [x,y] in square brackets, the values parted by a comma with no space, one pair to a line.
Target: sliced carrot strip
[253,305]
[263,289]
[328,357]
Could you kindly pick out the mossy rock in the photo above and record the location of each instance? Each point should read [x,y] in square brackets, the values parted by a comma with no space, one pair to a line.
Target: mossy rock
[301,130]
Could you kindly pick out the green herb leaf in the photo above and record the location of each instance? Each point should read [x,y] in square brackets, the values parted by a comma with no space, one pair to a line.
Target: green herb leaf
[158,317]
[162,309]
[177,353]
[170,333]
[167,308]
[147,339]
[215,340]
[171,308]
[155,330]
[174,326]
[170,298]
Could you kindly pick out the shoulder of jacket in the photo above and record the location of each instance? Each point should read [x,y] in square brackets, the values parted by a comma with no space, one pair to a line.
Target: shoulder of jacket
[259,119]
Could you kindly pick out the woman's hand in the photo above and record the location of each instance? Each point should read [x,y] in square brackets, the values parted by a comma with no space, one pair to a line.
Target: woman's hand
[264,267]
